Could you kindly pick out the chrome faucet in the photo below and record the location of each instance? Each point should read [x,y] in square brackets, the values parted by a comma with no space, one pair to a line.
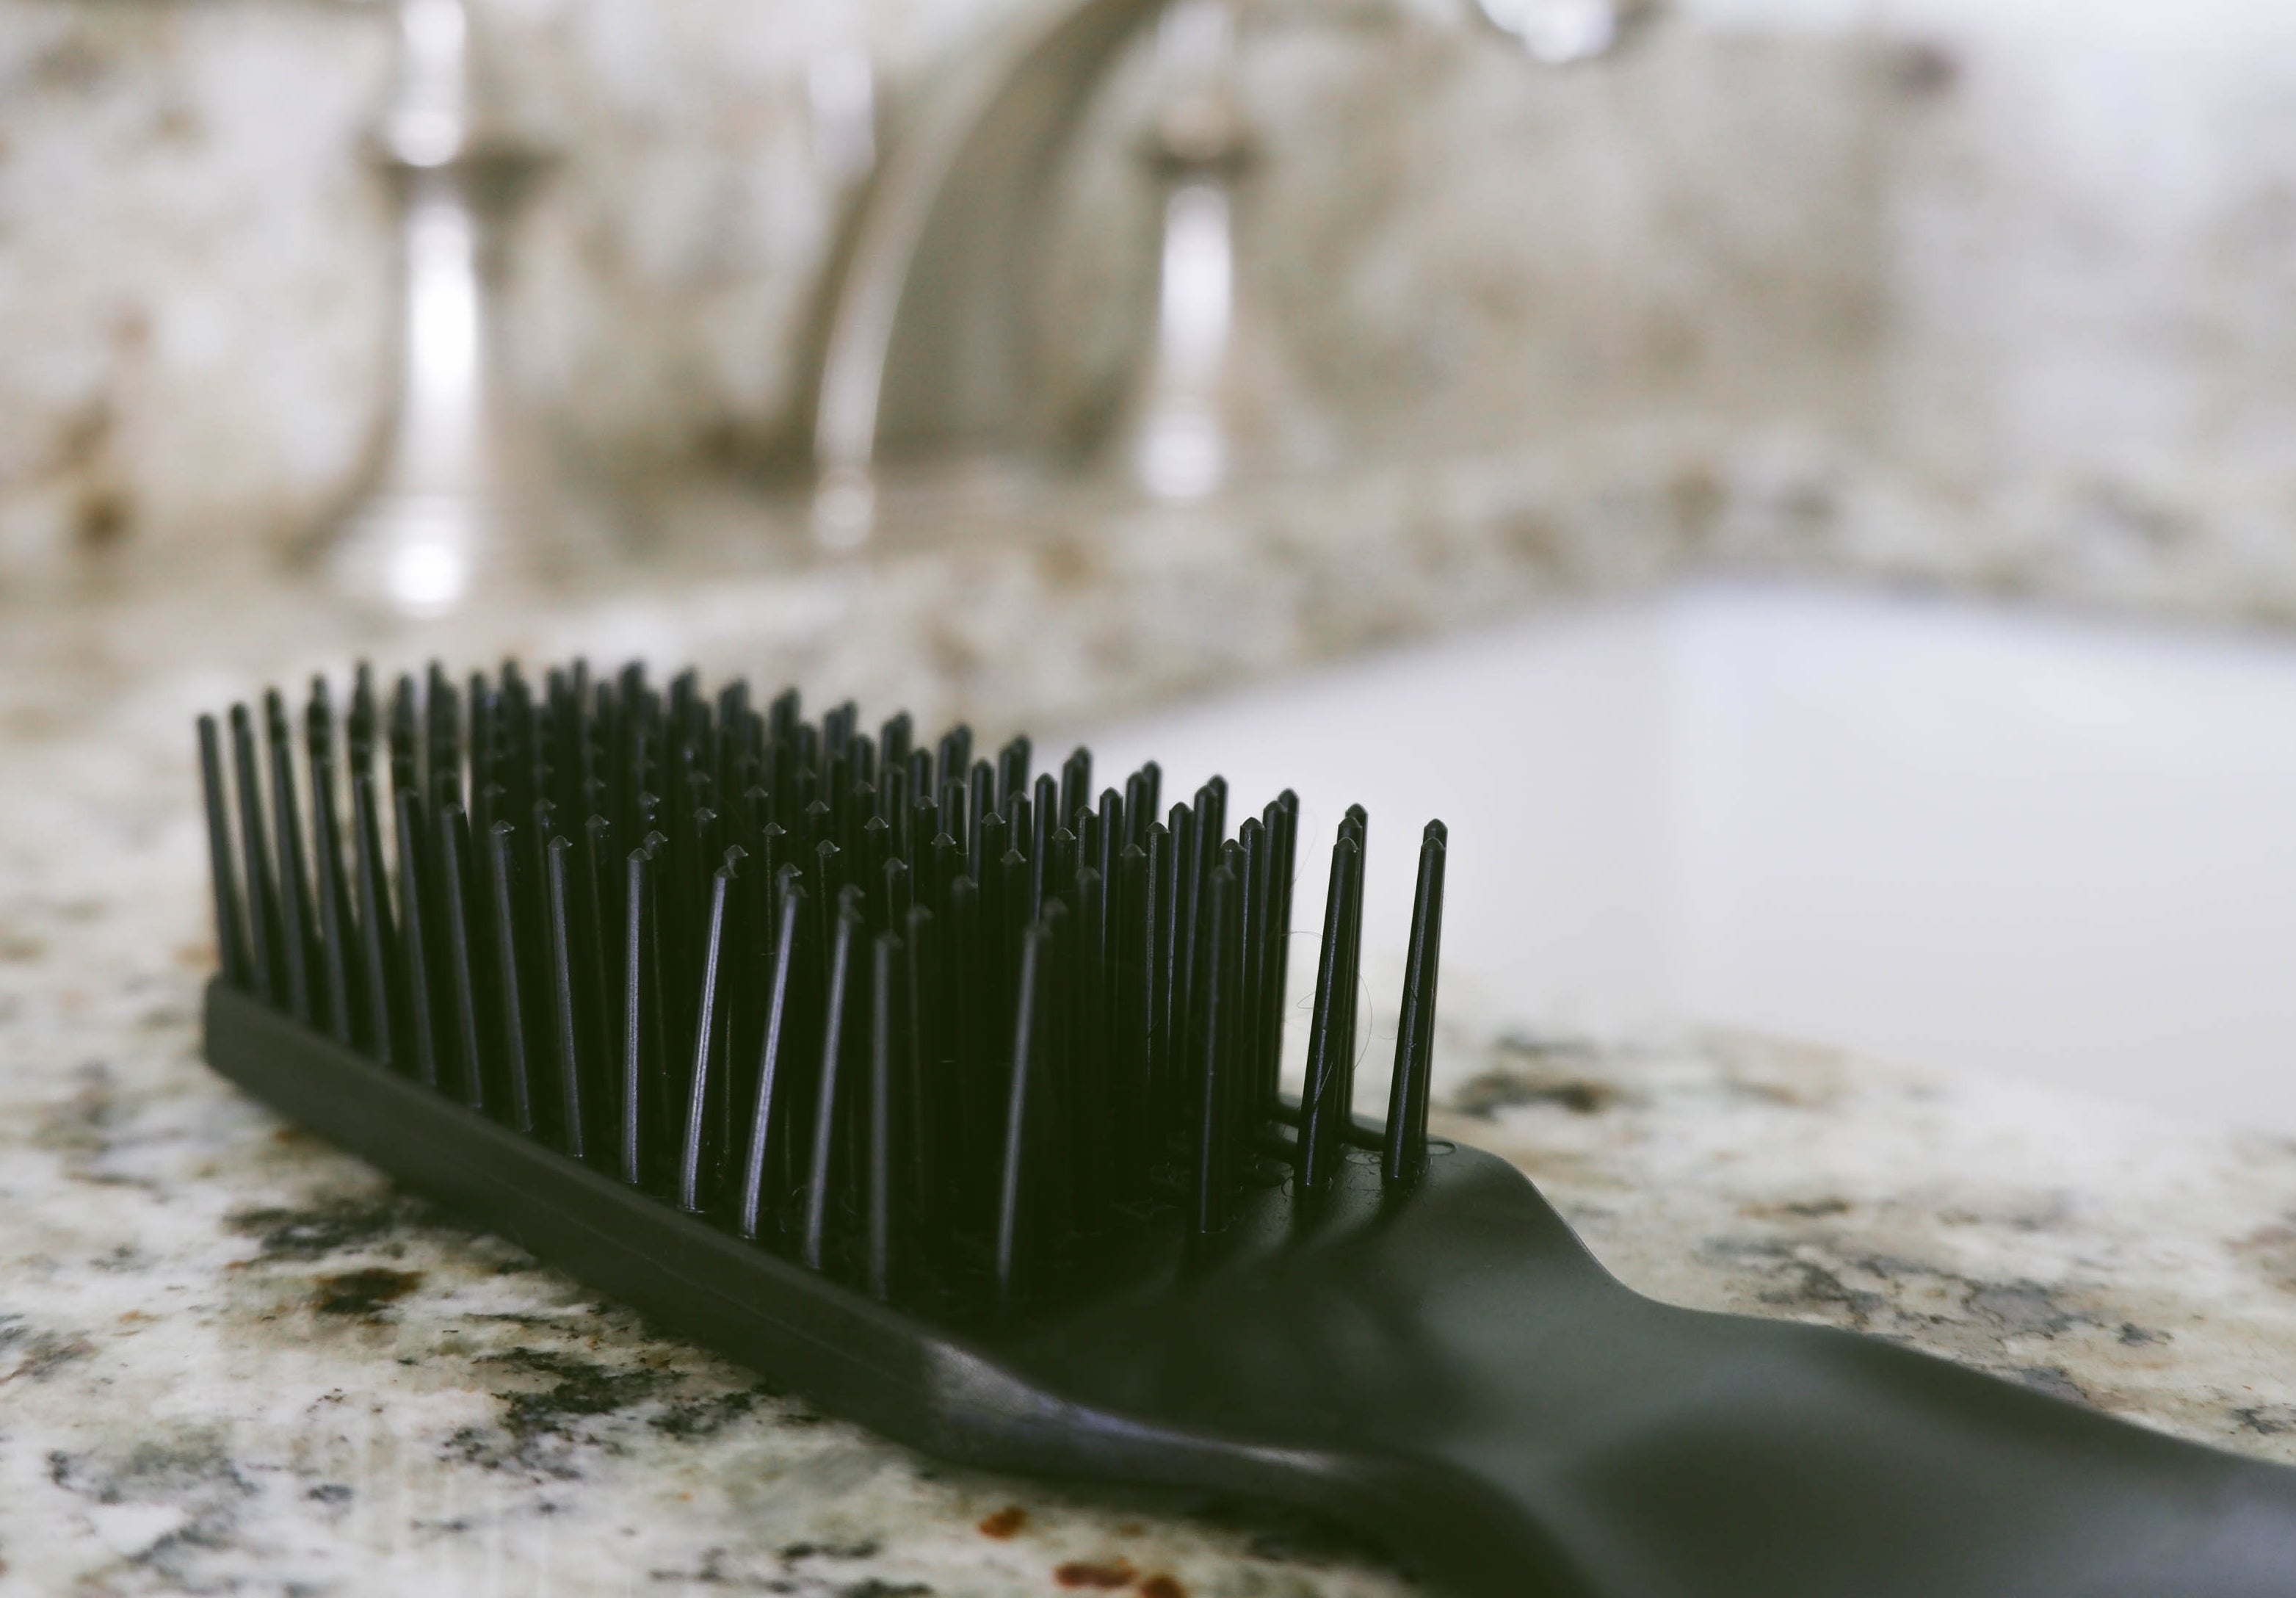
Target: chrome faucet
[923,330]
[456,487]
[922,337]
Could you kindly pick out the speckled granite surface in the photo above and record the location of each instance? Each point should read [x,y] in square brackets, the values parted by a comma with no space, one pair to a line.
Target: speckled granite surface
[233,1361]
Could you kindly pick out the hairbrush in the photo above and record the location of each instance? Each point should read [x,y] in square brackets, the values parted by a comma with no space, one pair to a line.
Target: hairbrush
[946,1093]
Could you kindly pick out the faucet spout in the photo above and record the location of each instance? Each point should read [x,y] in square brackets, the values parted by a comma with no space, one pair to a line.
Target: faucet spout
[923,334]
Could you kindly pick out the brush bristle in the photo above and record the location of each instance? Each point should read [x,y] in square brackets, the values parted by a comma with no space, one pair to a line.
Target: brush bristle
[903,1015]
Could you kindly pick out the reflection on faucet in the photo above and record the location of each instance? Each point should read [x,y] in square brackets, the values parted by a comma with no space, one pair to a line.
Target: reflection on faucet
[1215,401]
[429,566]
[1558,33]
[1182,451]
[1179,446]
[458,478]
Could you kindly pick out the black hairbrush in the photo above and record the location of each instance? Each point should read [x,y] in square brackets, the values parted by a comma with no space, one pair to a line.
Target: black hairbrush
[948,1097]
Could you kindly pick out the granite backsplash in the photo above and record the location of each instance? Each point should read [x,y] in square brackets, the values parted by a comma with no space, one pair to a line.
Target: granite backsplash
[1915,289]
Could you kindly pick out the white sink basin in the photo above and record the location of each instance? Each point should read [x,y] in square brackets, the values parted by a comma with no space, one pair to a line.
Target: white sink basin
[1932,831]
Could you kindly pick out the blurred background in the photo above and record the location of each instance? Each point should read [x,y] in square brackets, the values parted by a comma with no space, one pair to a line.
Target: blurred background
[1812,482]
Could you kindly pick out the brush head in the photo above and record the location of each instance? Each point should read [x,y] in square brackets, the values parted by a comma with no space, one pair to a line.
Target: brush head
[970,1038]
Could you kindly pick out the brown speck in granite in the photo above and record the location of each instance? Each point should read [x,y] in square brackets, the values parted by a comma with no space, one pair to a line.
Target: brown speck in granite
[363,1293]
[1090,1574]
[102,518]
[1004,1522]
[1812,1209]
[1485,1097]
[1161,1586]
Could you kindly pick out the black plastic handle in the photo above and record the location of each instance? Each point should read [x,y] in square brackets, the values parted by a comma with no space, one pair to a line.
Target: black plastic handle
[1466,1376]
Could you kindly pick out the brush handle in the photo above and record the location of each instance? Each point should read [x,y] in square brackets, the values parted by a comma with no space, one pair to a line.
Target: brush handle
[1458,1374]
[1709,1456]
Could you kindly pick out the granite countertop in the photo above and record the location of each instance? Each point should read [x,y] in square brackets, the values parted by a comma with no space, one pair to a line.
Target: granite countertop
[233,1360]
